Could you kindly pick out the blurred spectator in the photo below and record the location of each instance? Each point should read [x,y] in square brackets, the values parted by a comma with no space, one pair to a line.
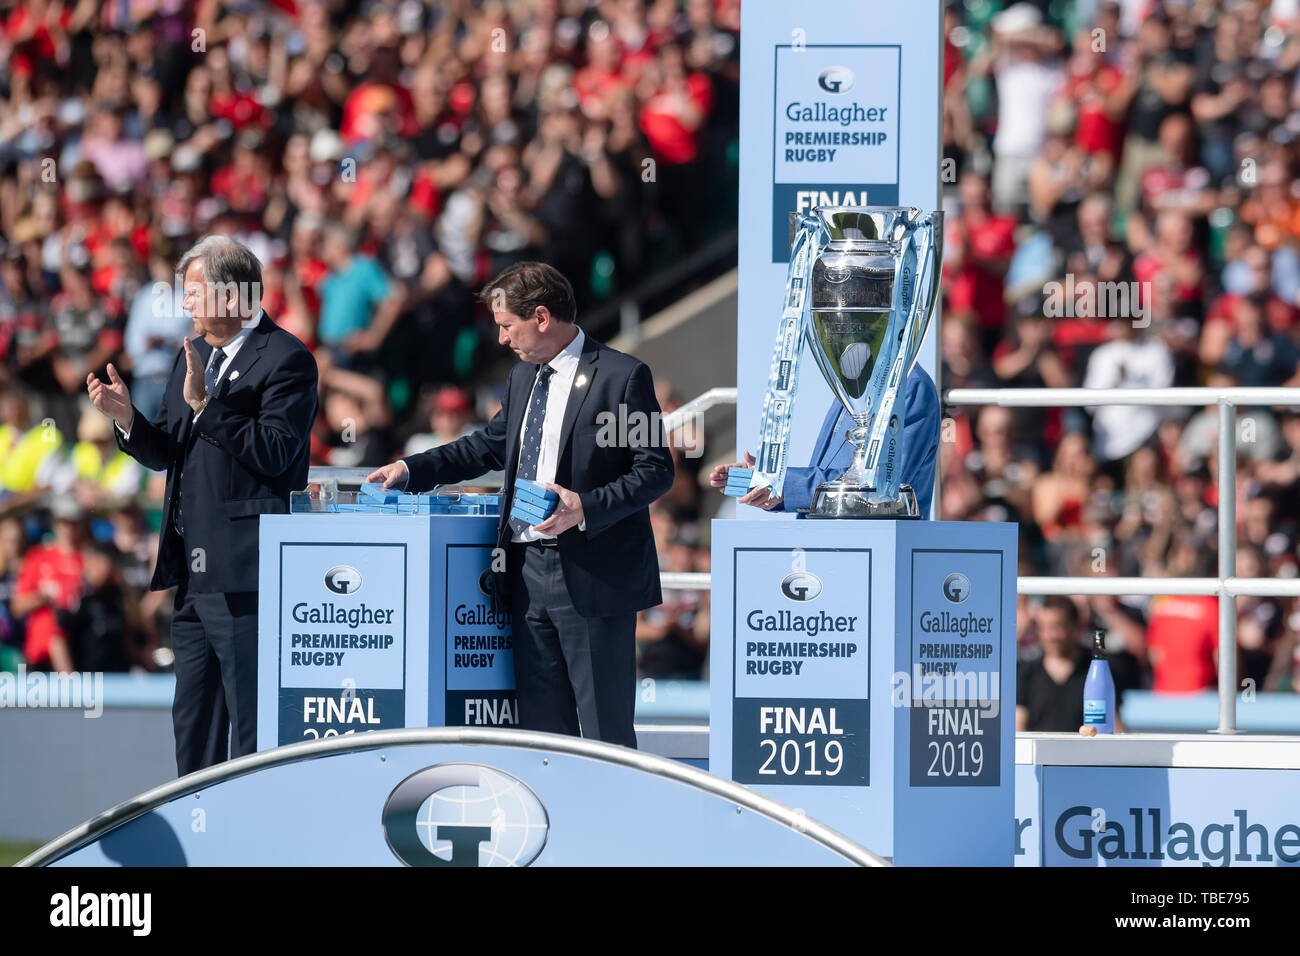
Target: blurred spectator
[1131,359]
[1049,685]
[50,582]
[1024,62]
[97,631]
[155,329]
[13,543]
[451,416]
[359,303]
[1182,639]
[977,254]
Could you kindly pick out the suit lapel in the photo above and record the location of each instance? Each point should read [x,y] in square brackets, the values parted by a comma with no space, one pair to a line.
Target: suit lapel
[247,355]
[518,388]
[583,379]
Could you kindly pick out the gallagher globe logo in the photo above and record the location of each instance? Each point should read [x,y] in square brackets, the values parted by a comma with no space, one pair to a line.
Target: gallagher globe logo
[464,814]
[836,79]
[487,582]
[343,579]
[956,587]
[801,585]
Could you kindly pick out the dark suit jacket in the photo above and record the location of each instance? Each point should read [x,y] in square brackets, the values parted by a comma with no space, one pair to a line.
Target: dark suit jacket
[832,453]
[249,449]
[611,567]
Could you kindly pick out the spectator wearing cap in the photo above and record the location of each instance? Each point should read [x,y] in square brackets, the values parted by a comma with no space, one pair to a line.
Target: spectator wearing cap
[451,417]
[1023,57]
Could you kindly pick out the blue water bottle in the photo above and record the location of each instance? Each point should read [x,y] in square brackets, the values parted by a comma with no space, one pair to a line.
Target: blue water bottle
[1099,690]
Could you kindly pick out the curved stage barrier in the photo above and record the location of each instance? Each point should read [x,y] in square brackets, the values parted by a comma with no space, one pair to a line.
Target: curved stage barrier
[451,796]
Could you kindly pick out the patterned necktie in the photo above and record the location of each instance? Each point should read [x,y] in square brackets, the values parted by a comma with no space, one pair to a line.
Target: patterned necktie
[531,448]
[213,372]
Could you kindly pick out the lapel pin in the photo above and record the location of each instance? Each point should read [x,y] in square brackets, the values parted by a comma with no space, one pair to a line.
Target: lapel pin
[580,381]
[234,374]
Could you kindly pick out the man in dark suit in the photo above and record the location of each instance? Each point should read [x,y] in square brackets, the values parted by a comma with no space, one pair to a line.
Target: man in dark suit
[232,435]
[574,582]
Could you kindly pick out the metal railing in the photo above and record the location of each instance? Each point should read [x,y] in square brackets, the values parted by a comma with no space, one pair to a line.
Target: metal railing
[698,406]
[1226,587]
[1227,400]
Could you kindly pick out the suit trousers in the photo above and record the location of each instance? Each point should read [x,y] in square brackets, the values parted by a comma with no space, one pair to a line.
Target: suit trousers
[573,674]
[214,637]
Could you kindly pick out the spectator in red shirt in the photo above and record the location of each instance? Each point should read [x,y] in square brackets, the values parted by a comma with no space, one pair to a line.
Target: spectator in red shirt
[977,254]
[49,581]
[601,76]
[1171,271]
[1093,86]
[676,105]
[1183,642]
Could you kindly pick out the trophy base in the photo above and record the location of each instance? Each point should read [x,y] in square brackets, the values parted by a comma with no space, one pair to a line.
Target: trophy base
[842,499]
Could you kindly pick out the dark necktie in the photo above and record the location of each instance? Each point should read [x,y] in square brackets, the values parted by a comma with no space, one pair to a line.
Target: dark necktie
[213,372]
[531,448]
[210,376]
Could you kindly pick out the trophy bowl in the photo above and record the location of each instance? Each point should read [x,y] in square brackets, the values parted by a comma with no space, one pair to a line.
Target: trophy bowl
[872,295]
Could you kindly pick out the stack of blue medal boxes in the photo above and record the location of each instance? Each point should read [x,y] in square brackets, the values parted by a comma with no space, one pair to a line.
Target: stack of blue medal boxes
[374,499]
[738,479]
[533,503]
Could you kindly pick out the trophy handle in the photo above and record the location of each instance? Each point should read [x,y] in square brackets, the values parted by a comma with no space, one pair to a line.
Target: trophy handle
[927,283]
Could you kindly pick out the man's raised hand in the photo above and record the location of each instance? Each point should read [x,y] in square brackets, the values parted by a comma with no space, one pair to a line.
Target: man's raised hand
[195,391]
[112,398]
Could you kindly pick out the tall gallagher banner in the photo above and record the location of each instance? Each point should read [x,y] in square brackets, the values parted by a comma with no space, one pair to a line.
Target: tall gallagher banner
[840,105]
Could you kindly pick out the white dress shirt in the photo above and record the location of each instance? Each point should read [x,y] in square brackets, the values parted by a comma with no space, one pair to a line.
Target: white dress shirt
[557,399]
[230,348]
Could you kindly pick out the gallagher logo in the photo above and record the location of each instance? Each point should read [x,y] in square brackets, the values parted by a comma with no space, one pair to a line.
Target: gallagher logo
[342,579]
[487,582]
[835,79]
[956,588]
[801,586]
[464,814]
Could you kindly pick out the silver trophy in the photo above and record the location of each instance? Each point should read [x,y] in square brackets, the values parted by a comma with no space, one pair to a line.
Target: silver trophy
[873,292]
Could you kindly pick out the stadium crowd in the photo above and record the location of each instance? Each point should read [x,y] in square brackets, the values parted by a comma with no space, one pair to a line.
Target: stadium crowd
[382,158]
[1123,210]
[1125,213]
